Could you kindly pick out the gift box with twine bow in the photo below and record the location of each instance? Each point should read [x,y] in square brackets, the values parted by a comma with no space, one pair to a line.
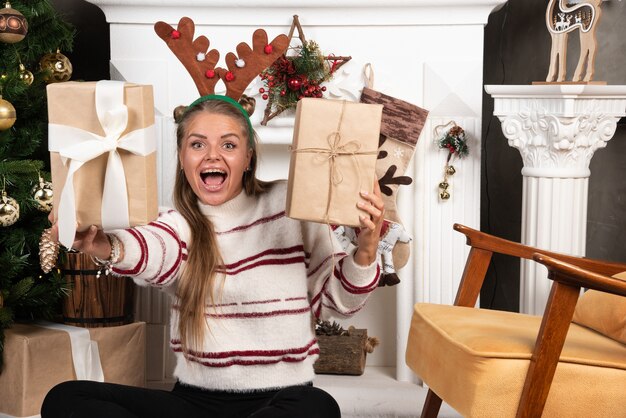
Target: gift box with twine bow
[333,159]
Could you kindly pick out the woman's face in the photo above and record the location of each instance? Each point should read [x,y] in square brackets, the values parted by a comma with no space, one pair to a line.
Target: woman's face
[214,155]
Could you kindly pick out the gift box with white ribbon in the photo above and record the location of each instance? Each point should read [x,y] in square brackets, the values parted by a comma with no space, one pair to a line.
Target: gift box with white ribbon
[38,356]
[102,153]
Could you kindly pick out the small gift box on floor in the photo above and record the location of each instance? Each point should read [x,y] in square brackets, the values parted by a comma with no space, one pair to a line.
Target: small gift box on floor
[102,153]
[333,159]
[39,356]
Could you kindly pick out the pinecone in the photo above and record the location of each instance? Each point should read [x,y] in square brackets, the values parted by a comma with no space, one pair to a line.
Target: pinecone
[326,328]
[48,251]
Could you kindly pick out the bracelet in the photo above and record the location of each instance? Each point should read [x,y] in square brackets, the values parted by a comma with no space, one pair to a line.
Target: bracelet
[114,257]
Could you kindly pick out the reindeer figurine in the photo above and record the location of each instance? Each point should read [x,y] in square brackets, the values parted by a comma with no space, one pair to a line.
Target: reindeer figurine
[559,18]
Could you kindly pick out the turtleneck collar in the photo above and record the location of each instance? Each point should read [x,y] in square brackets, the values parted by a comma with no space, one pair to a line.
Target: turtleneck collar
[232,209]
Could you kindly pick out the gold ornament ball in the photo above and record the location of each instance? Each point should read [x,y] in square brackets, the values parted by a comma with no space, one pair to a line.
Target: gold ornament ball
[7,114]
[450,170]
[13,25]
[56,66]
[42,194]
[9,210]
[26,76]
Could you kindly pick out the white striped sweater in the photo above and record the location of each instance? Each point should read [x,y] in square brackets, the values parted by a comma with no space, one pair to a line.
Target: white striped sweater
[277,280]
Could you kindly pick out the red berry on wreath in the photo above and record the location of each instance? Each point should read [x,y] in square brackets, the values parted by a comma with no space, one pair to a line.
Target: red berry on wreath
[209,73]
[268,49]
[323,88]
[265,96]
[261,90]
[229,76]
[294,83]
[175,34]
[283,92]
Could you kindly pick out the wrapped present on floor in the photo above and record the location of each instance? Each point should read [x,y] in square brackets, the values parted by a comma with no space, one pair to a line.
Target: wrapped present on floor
[102,153]
[39,356]
[333,159]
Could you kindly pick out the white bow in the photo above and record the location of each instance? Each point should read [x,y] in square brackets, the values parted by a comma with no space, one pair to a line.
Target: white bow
[78,146]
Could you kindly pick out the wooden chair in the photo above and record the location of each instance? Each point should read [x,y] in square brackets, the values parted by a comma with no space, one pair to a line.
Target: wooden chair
[487,363]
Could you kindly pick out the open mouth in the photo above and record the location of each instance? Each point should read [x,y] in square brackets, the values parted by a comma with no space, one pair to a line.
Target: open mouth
[213,178]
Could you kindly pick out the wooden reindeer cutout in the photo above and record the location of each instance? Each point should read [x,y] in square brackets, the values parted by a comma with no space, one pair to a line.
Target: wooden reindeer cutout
[561,19]
[200,63]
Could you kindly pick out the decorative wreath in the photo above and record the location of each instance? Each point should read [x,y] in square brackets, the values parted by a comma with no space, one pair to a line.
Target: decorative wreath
[297,74]
[455,141]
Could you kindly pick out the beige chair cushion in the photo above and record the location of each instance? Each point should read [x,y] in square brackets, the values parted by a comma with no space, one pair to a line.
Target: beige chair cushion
[477,359]
[603,312]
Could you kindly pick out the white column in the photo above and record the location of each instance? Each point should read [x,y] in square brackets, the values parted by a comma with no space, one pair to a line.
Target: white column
[557,129]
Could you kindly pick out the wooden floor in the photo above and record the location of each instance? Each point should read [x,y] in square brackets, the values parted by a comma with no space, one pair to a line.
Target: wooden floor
[377,394]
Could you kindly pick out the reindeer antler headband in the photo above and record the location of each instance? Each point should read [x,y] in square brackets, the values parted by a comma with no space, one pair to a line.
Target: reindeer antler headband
[244,67]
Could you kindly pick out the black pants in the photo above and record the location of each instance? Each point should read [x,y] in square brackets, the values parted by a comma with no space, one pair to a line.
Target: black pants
[85,399]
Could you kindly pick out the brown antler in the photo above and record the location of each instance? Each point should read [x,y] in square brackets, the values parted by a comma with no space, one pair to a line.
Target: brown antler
[193,54]
[250,62]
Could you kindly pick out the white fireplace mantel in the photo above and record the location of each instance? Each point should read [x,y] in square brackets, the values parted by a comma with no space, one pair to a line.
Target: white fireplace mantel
[319,12]
[427,52]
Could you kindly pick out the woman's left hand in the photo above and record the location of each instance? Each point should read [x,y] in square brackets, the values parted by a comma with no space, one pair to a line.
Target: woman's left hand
[370,226]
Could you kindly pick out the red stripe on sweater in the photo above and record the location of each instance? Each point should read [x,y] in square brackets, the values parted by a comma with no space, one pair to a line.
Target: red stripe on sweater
[256,362]
[319,266]
[357,289]
[336,307]
[245,353]
[255,223]
[348,313]
[143,250]
[277,261]
[168,274]
[272,251]
[281,312]
[259,302]
[294,299]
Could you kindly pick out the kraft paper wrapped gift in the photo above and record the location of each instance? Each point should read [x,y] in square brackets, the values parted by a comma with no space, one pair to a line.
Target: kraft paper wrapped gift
[37,358]
[101,135]
[333,158]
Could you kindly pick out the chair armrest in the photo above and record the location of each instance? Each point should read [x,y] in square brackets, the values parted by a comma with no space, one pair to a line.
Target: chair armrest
[556,320]
[478,239]
[572,275]
[484,245]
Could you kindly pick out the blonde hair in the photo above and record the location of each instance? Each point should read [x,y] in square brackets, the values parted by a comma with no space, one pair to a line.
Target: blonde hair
[198,279]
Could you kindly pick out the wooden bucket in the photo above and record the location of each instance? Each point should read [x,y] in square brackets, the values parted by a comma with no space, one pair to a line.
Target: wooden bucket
[95,302]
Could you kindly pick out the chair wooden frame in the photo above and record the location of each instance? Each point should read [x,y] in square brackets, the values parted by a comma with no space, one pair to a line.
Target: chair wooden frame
[569,274]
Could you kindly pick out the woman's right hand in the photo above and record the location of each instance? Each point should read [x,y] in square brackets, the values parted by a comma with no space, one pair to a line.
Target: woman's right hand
[93,241]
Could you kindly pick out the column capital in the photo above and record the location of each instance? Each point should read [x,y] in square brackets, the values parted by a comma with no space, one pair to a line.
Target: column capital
[558,128]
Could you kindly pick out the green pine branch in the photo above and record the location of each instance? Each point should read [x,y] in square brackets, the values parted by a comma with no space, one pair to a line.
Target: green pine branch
[25,291]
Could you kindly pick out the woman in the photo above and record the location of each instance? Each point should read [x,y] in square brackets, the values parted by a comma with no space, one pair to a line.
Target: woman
[247,283]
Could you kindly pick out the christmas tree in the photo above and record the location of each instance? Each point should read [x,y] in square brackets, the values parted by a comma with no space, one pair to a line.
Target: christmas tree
[31,36]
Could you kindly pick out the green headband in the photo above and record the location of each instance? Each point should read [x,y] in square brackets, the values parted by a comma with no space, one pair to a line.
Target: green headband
[232,102]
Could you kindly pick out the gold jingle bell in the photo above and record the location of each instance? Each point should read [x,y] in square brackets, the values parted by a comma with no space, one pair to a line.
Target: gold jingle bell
[444,195]
[7,114]
[450,170]
[9,210]
[42,194]
[57,67]
[25,76]
[444,185]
